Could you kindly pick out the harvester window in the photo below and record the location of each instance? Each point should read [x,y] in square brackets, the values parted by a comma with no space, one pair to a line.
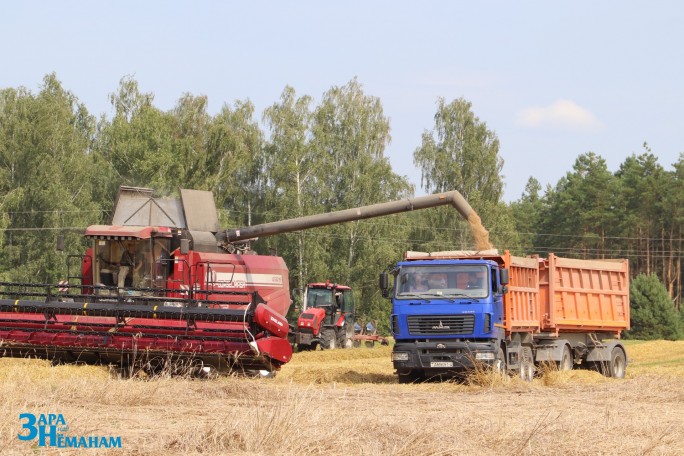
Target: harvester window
[161,263]
[106,264]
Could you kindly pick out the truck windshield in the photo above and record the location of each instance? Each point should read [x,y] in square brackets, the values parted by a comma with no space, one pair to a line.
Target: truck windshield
[451,281]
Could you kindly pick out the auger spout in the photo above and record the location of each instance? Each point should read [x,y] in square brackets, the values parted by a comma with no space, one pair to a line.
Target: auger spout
[348,215]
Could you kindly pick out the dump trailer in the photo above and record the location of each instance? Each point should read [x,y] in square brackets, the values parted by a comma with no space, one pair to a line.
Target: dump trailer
[162,285]
[452,311]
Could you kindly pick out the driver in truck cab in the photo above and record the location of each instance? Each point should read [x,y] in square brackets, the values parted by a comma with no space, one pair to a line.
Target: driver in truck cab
[420,282]
[475,280]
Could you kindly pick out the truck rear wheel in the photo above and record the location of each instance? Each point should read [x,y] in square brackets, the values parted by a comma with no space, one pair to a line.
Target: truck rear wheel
[618,364]
[566,363]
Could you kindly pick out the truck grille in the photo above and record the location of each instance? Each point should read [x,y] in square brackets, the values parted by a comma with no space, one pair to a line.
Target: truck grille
[441,324]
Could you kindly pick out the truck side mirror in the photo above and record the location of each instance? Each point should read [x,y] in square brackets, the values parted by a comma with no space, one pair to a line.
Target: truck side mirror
[384,284]
[60,243]
[504,276]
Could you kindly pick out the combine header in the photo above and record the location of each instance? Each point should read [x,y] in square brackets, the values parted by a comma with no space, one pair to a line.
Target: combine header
[163,286]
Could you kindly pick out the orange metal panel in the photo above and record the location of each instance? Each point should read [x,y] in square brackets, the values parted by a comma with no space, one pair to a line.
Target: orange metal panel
[522,302]
[585,295]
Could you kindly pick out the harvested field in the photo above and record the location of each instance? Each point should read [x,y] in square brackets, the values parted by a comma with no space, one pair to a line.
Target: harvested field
[348,402]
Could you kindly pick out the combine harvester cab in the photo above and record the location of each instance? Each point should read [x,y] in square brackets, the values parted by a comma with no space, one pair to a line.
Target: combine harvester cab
[155,292]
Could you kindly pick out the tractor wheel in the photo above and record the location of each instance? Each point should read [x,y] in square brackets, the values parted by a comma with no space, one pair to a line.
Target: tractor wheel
[342,340]
[328,339]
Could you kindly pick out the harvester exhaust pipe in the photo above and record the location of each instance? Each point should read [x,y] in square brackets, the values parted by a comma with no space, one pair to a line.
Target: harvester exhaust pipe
[375,210]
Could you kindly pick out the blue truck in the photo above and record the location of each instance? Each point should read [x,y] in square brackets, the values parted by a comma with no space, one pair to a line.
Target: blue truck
[454,310]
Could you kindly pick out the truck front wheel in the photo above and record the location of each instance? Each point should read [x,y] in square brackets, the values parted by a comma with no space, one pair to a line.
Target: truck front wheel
[499,366]
[526,364]
[410,376]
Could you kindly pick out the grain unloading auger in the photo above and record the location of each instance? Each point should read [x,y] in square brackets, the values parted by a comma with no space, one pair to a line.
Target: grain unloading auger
[163,286]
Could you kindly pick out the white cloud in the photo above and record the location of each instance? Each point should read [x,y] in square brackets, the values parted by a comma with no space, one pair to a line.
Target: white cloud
[562,114]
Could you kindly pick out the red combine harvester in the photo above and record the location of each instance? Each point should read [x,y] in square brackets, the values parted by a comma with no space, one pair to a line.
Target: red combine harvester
[163,285]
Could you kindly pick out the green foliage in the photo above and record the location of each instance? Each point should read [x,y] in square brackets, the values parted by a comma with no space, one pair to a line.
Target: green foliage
[653,315]
[60,169]
[580,212]
[527,215]
[461,153]
[47,187]
[635,213]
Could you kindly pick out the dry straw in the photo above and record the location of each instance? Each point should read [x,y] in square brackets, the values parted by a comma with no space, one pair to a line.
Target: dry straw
[348,401]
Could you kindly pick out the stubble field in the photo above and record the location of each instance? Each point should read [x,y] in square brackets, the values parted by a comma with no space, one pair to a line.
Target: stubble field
[348,402]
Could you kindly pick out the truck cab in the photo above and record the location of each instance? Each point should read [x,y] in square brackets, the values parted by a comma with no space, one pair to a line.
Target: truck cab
[447,313]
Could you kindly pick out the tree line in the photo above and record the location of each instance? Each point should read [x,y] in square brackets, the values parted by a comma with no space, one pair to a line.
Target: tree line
[61,166]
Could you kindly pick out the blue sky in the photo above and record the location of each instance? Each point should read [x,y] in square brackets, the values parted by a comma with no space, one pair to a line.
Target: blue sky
[552,79]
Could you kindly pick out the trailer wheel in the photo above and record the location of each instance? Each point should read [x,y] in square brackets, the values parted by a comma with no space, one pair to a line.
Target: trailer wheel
[618,363]
[566,363]
[526,364]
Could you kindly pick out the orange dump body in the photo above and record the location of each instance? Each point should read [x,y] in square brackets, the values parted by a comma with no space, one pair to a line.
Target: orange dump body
[560,295]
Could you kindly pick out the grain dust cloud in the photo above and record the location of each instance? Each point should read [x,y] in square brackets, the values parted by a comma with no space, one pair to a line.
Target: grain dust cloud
[480,234]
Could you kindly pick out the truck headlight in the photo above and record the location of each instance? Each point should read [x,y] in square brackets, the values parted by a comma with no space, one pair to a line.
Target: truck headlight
[484,356]
[400,356]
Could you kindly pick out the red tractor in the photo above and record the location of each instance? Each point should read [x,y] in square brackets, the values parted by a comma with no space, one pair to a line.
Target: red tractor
[328,320]
[327,317]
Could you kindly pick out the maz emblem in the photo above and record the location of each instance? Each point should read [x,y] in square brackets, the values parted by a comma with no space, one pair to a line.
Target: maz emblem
[441,326]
